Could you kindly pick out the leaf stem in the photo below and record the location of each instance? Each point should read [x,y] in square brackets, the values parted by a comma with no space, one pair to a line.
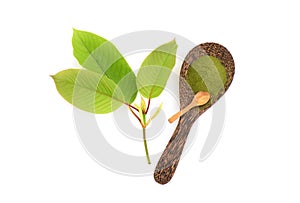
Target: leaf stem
[136,116]
[148,105]
[129,105]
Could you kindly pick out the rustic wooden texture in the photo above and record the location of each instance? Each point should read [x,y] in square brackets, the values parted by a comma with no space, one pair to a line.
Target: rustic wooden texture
[170,158]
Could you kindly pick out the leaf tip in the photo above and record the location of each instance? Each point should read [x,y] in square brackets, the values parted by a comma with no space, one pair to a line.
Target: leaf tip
[75,31]
[174,41]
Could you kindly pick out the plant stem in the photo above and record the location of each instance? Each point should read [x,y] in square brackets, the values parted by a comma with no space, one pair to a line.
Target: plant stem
[142,120]
[144,138]
[145,145]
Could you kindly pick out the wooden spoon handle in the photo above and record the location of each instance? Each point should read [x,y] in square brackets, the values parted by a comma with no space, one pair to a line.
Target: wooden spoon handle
[170,158]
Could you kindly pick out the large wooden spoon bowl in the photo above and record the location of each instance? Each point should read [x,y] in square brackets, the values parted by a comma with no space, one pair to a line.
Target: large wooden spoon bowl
[169,160]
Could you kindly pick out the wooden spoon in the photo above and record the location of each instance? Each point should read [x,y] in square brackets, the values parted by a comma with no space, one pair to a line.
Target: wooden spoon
[169,159]
[200,99]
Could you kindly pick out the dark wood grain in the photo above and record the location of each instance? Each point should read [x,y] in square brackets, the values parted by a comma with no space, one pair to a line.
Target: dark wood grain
[170,158]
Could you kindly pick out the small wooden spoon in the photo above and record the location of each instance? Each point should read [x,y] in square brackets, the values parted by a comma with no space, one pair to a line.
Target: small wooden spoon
[200,99]
[170,158]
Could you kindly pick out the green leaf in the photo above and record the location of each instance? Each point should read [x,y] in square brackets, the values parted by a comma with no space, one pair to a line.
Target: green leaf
[156,69]
[100,55]
[155,114]
[89,91]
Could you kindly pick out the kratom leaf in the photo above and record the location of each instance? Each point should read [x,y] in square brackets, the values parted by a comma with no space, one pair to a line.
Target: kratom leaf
[155,114]
[99,55]
[155,70]
[89,91]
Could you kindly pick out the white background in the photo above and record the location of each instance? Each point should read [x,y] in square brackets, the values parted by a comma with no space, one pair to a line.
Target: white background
[257,159]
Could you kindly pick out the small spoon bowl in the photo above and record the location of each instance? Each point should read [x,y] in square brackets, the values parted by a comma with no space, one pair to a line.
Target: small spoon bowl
[200,99]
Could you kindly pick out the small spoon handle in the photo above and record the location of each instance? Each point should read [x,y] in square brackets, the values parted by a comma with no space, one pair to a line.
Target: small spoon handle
[180,113]
[175,117]
[170,158]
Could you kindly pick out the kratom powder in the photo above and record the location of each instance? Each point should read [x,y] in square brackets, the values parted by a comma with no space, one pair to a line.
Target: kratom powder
[207,74]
